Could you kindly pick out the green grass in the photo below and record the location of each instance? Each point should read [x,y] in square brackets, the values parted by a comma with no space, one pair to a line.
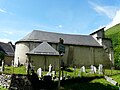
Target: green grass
[94,81]
[15,70]
[87,82]
[1,88]
[111,72]
[116,78]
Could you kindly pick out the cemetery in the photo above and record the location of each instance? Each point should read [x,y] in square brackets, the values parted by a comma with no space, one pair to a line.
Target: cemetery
[73,78]
[52,64]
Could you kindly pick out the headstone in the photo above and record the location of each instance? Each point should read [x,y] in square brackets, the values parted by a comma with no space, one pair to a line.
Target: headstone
[50,68]
[2,66]
[93,69]
[82,69]
[109,79]
[74,68]
[100,69]
[61,78]
[39,72]
[53,73]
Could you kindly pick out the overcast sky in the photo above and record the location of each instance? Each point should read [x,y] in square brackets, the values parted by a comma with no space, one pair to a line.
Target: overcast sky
[20,17]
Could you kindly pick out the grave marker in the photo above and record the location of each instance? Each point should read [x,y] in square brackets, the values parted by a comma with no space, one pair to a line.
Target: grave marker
[39,72]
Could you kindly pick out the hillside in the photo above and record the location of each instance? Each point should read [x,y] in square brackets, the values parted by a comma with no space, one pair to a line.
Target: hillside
[113,30]
[114,34]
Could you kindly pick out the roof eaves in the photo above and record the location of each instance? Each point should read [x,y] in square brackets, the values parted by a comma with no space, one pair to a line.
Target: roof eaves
[42,54]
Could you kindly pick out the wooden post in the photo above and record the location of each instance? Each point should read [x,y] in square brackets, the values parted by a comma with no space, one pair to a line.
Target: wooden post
[59,71]
[28,70]
[61,51]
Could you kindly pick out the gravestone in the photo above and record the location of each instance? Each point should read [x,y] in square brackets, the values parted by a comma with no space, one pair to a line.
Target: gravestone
[50,68]
[93,69]
[74,69]
[82,69]
[100,69]
[39,72]
[53,73]
[109,79]
[2,66]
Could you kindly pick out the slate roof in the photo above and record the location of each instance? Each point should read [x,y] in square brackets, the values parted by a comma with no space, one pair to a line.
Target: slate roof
[44,49]
[36,35]
[102,29]
[7,48]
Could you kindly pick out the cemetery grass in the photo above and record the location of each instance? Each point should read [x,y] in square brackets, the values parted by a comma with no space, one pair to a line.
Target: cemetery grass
[87,82]
[91,81]
[15,70]
[1,88]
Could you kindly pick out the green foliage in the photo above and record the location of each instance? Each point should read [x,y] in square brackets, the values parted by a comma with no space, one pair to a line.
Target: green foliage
[2,55]
[114,34]
[113,30]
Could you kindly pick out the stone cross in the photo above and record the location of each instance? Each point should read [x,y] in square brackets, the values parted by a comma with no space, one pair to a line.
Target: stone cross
[50,68]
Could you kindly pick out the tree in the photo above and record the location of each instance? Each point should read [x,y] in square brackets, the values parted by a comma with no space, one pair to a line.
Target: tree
[2,57]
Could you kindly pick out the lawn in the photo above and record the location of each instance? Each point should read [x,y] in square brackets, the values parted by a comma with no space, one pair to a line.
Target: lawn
[91,81]
[87,82]
[1,88]
[15,70]
[116,78]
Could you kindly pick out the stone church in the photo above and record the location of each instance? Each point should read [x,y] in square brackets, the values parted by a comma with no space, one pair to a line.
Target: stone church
[40,48]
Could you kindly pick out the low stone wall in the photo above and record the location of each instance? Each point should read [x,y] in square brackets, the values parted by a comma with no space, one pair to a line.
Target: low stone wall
[20,82]
[5,80]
